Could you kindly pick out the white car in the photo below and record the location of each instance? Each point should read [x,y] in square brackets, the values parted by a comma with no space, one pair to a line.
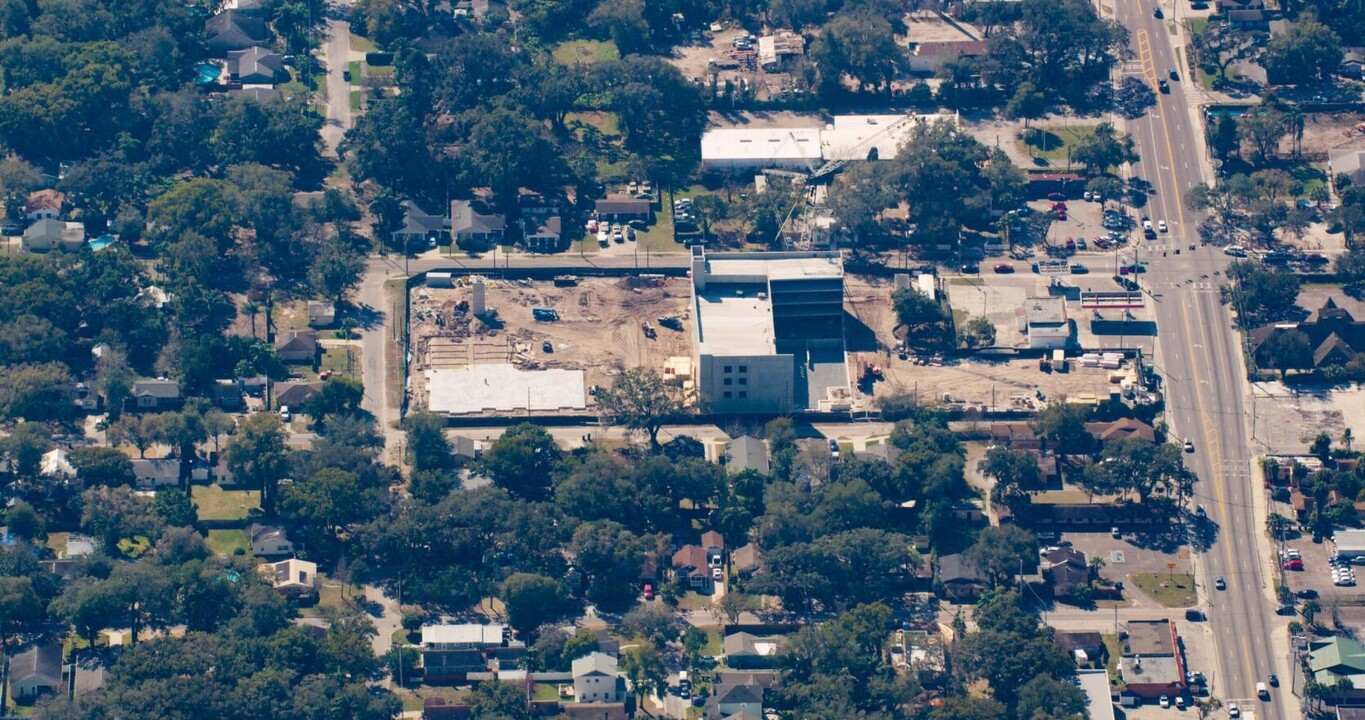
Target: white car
[1234,710]
[284,413]
[1165,701]
[1161,225]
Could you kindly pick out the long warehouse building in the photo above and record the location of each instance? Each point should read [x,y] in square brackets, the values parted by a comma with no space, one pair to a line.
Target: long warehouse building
[848,137]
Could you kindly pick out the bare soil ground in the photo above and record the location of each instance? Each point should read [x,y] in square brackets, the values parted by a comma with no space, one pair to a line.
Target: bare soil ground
[598,331]
[925,26]
[1324,132]
[975,383]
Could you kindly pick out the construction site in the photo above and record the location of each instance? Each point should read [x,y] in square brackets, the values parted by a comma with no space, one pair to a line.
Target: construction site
[494,346]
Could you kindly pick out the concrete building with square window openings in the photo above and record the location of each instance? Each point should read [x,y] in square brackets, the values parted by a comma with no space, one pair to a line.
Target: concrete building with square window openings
[769,333]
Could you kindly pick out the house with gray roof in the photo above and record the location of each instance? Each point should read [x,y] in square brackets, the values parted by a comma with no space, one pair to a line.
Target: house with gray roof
[152,473]
[50,234]
[155,395]
[746,651]
[255,66]
[36,671]
[596,679]
[269,541]
[233,30]
[472,227]
[745,698]
[542,234]
[420,228]
[746,453]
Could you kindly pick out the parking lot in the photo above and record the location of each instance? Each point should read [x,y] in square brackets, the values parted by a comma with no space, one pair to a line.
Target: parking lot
[1316,575]
[1133,553]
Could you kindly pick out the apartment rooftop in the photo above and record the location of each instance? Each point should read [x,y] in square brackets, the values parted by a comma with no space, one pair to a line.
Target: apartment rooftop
[733,324]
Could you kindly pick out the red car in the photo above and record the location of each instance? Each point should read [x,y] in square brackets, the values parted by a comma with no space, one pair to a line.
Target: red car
[649,591]
[1004,268]
[1293,564]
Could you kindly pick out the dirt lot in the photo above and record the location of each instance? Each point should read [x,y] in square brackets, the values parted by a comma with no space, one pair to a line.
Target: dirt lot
[598,330]
[1287,421]
[1323,132]
[1012,383]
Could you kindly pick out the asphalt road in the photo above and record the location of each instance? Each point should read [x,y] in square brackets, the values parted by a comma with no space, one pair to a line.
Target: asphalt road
[1199,356]
[336,54]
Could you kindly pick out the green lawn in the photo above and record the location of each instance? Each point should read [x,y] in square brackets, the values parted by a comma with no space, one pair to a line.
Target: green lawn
[329,601]
[545,692]
[354,68]
[298,85]
[585,52]
[1308,176]
[379,70]
[1055,141]
[361,44]
[216,503]
[226,542]
[357,99]
[344,360]
[1170,590]
[1114,651]
[715,642]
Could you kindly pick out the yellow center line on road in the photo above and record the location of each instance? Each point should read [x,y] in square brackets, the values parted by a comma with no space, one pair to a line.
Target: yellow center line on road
[1213,446]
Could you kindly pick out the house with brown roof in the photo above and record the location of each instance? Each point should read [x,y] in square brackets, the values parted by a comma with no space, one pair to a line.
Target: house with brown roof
[961,580]
[1016,435]
[1333,334]
[623,209]
[691,568]
[297,346]
[1121,429]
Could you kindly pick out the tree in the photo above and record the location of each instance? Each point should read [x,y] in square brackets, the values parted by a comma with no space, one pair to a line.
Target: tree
[36,392]
[532,599]
[1106,148]
[20,607]
[1045,697]
[624,22]
[968,708]
[610,556]
[1306,51]
[1026,104]
[1063,424]
[25,522]
[1001,552]
[693,640]
[330,500]
[1263,130]
[1310,610]
[915,310]
[499,701]
[858,199]
[522,459]
[140,431]
[1322,446]
[642,402]
[1016,475]
[1222,44]
[25,447]
[102,466]
[336,270]
[257,455]
[1224,140]
[428,447]
[860,46]
[653,621]
[733,604]
[979,332]
[1262,295]
[338,395]
[1286,350]
[112,514]
[644,667]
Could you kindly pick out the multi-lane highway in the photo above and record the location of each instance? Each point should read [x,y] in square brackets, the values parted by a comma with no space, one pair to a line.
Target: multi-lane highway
[1200,358]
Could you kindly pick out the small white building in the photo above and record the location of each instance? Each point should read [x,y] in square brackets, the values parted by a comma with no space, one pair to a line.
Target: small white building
[1046,323]
[1350,544]
[792,148]
[597,680]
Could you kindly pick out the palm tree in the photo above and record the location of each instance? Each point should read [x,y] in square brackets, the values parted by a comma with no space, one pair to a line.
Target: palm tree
[1293,120]
[1346,438]
[1310,611]
[251,309]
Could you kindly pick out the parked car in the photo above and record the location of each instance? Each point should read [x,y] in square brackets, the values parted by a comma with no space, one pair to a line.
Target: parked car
[1306,594]
[1004,268]
[284,413]
[649,591]
[1189,445]
[1161,225]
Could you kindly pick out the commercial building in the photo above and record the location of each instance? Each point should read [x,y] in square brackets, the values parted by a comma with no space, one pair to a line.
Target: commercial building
[1150,665]
[1046,323]
[1349,544]
[846,137]
[769,334]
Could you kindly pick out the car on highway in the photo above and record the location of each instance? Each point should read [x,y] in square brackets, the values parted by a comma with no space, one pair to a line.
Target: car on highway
[971,269]
[1161,225]
[1004,268]
[1262,691]
[1079,269]
[1220,583]
[1173,74]
[1162,86]
[1201,513]
[1156,12]
[1234,710]
[1189,445]
[1274,680]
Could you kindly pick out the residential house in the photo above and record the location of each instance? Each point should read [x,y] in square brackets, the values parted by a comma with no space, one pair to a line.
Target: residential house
[746,560]
[1087,647]
[269,541]
[736,699]
[1151,665]
[156,473]
[56,463]
[293,393]
[227,395]
[883,451]
[623,209]
[233,30]
[1016,435]
[451,652]
[746,453]
[86,398]
[1121,429]
[1249,20]
[256,66]
[43,205]
[777,51]
[931,57]
[321,313]
[255,385]
[961,580]
[48,234]
[597,680]
[744,651]
[472,227]
[1335,336]
[36,671]
[1352,64]
[692,569]
[1063,570]
[155,395]
[90,670]
[292,576]
[542,234]
[420,228]
[297,346]
[594,711]
[464,448]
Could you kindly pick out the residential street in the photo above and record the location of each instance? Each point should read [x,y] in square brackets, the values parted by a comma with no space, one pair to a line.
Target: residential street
[336,55]
[1200,359]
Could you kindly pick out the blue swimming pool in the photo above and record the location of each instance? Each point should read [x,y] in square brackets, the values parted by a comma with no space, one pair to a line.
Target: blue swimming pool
[101,242]
[208,73]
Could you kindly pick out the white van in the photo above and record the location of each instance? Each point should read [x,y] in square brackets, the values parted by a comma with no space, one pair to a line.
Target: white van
[1235,251]
[1262,691]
